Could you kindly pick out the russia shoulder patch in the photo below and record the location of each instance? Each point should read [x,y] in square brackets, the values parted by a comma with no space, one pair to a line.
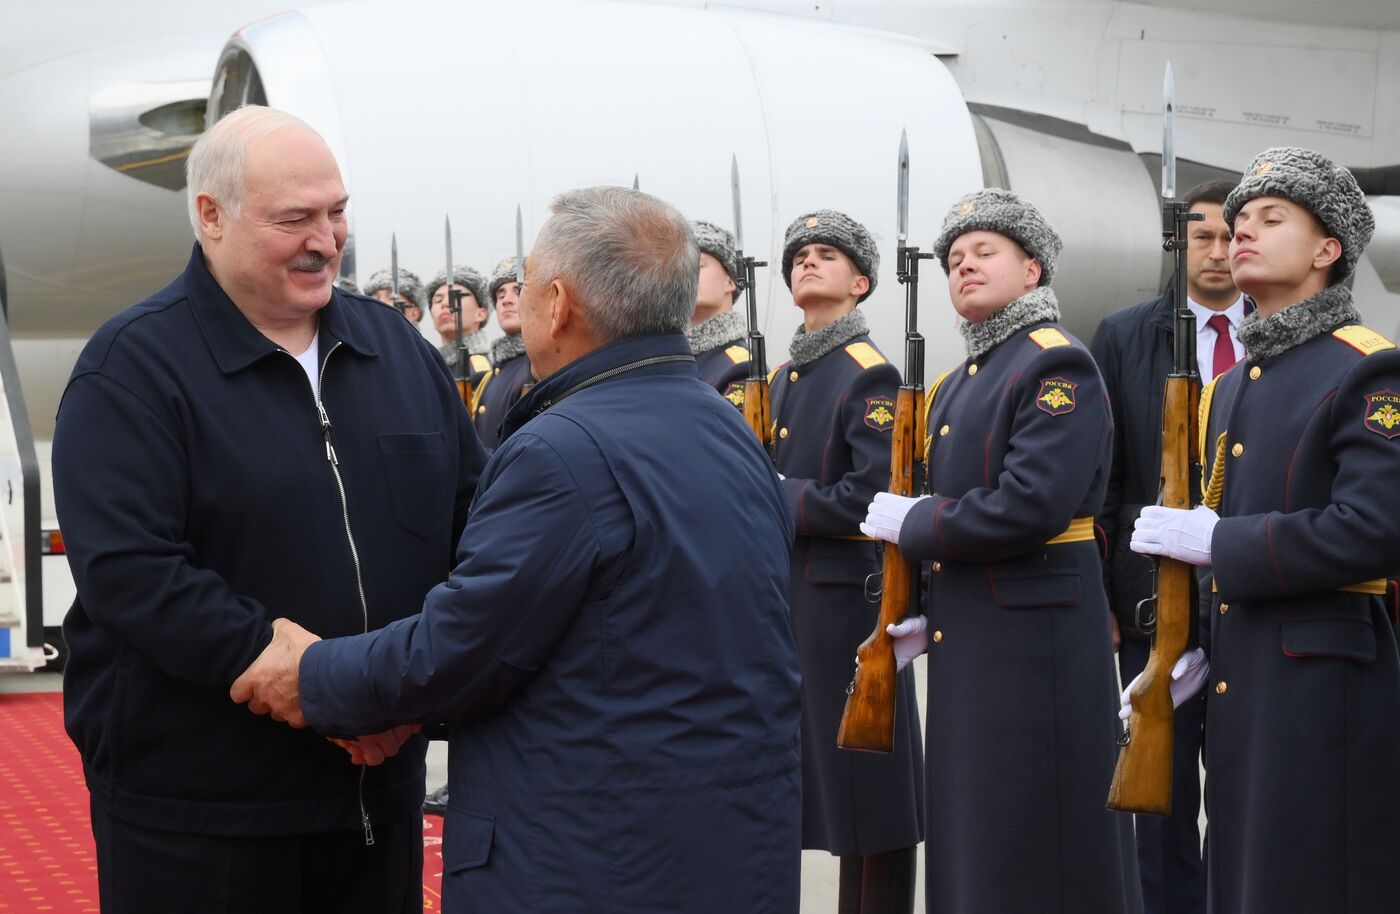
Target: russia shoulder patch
[1047,337]
[879,413]
[737,354]
[866,355]
[734,393]
[1056,396]
[1383,413]
[1363,339]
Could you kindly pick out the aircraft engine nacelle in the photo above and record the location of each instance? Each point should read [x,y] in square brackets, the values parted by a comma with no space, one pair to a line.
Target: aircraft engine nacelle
[500,104]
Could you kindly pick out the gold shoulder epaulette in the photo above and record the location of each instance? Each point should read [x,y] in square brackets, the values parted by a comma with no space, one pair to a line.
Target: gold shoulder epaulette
[737,354]
[1047,337]
[1363,339]
[774,373]
[866,355]
[479,363]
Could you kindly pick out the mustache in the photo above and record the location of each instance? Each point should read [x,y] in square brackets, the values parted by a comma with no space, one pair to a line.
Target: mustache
[312,263]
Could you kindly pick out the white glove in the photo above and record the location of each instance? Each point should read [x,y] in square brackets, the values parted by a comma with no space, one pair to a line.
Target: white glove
[1188,675]
[1175,533]
[886,515]
[910,639]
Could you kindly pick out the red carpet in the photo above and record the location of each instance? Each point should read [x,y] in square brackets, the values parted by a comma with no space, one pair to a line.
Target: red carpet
[46,852]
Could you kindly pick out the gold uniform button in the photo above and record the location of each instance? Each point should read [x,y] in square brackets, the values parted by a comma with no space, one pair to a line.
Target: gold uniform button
[972,369]
[944,431]
[937,637]
[1224,608]
[481,410]
[937,567]
[1220,687]
[1238,449]
[782,433]
[792,376]
[1254,373]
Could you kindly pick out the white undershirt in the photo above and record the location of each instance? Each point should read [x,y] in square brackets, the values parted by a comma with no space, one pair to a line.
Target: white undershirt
[1205,336]
[310,364]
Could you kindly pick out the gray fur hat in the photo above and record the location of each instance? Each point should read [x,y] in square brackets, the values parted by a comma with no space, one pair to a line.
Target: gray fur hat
[410,286]
[719,244]
[827,226]
[462,276]
[995,210]
[504,273]
[1312,181]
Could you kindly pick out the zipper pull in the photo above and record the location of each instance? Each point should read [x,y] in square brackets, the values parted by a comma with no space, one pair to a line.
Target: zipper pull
[326,433]
[369,829]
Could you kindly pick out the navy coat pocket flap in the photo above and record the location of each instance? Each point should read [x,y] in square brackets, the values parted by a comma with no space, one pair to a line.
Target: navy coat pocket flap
[846,563]
[1347,639]
[466,840]
[1027,592]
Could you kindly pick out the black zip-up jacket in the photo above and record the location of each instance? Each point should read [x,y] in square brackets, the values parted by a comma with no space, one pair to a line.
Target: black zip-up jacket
[203,491]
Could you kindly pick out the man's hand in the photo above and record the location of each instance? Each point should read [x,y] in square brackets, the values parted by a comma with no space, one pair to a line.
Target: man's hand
[886,514]
[910,639]
[374,749]
[270,685]
[1188,675]
[1175,533]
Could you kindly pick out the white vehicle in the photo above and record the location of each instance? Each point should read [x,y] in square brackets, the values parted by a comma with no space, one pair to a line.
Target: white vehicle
[468,109]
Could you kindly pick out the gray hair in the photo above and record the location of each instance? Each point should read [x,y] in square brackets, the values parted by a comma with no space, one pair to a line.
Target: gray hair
[630,259]
[215,163]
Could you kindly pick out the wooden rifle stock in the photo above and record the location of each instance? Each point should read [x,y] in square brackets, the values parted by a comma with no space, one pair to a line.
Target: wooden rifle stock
[868,721]
[757,411]
[1142,781]
[464,389]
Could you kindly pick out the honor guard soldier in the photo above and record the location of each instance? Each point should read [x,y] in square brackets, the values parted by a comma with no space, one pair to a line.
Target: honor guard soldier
[717,331]
[476,309]
[509,377]
[410,304]
[1021,686]
[1302,439]
[833,410]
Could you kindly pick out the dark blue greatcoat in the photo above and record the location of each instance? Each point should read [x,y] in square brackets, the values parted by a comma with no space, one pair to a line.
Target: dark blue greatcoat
[199,503]
[833,418]
[1303,701]
[1022,695]
[613,653]
[724,368]
[497,391]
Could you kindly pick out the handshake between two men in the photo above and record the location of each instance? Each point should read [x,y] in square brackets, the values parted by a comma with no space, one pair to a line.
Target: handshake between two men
[271,686]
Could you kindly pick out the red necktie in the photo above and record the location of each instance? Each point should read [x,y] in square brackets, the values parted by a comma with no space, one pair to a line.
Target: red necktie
[1224,358]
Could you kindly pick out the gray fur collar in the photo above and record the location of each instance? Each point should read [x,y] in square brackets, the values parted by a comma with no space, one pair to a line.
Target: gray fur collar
[1035,307]
[476,343]
[716,331]
[1281,331]
[808,347]
[506,348]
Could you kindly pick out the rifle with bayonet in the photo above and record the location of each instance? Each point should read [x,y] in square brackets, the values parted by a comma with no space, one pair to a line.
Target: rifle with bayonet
[1142,781]
[867,724]
[757,409]
[454,304]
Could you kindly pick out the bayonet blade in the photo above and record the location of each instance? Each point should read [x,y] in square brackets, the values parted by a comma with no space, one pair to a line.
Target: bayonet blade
[394,267]
[1168,135]
[902,204]
[636,181]
[519,247]
[447,234]
[738,208]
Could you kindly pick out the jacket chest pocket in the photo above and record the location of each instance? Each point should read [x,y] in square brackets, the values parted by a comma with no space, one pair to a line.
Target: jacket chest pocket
[420,487]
